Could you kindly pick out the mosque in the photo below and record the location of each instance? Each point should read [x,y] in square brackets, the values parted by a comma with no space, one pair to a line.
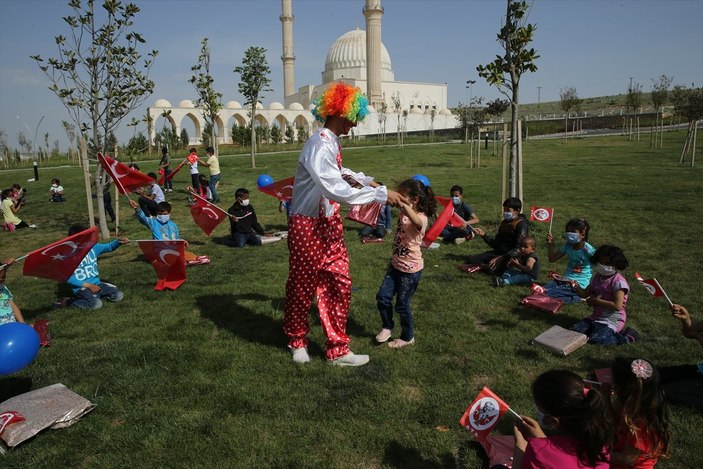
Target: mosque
[358,58]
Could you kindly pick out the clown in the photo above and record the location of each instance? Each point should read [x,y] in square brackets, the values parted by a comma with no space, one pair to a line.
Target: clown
[319,263]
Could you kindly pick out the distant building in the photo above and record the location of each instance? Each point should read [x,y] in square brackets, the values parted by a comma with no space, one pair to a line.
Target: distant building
[424,104]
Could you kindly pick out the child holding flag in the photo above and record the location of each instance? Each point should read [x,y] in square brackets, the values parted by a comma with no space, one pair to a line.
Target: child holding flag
[641,418]
[578,253]
[607,294]
[244,226]
[579,418]
[162,228]
[523,269]
[458,235]
[405,270]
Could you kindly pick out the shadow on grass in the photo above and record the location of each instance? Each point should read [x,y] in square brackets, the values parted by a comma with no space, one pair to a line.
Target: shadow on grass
[30,314]
[400,456]
[11,387]
[559,319]
[227,312]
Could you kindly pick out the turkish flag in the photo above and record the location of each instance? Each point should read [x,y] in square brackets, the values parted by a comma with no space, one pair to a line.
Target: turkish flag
[456,221]
[483,414]
[126,179]
[168,260]
[206,215]
[442,220]
[651,284]
[541,214]
[58,260]
[162,179]
[282,190]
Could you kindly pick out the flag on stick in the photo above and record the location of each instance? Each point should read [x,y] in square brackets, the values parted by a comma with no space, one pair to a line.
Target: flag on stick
[58,260]
[168,260]
[543,215]
[126,179]
[653,287]
[282,190]
[207,215]
[442,220]
[163,177]
[484,413]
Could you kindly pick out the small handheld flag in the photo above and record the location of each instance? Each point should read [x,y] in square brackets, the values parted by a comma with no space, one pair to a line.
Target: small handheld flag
[282,190]
[543,215]
[58,260]
[442,220]
[126,179]
[484,413]
[206,215]
[653,287]
[168,259]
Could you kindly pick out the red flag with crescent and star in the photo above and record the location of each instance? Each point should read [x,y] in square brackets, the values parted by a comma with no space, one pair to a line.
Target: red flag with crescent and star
[162,178]
[483,414]
[207,215]
[168,260]
[58,260]
[126,179]
[651,284]
[442,220]
[282,190]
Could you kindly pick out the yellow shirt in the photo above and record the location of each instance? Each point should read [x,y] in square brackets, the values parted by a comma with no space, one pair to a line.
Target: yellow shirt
[7,213]
[214,165]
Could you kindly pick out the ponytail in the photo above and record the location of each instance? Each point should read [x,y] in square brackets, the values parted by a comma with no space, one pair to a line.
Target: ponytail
[426,203]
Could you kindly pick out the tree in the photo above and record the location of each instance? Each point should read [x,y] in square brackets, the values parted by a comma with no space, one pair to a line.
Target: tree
[659,95]
[70,130]
[496,108]
[208,99]
[505,72]
[254,73]
[395,99]
[569,99]
[276,134]
[185,139]
[633,102]
[99,75]
[302,134]
[24,141]
[689,103]
[137,144]
[290,134]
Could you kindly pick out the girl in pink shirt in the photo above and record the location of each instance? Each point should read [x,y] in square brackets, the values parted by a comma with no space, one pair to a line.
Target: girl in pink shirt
[579,420]
[405,270]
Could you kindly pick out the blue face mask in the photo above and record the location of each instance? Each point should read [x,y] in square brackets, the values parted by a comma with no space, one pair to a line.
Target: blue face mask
[163,218]
[456,200]
[508,216]
[572,238]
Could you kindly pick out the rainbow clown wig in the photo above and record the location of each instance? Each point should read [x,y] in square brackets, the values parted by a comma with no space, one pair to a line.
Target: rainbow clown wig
[341,100]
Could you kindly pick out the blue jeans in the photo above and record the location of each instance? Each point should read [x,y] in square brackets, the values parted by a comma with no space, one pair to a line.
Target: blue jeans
[562,291]
[378,232]
[213,188]
[451,233]
[239,240]
[168,184]
[86,299]
[598,333]
[195,181]
[403,286]
[516,277]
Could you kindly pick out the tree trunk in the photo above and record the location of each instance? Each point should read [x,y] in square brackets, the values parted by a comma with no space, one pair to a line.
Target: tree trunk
[86,179]
[566,126]
[504,147]
[693,143]
[514,143]
[519,161]
[253,135]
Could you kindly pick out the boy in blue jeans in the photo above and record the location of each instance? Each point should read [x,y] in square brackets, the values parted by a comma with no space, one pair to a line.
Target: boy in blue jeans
[384,223]
[88,289]
[457,235]
[523,269]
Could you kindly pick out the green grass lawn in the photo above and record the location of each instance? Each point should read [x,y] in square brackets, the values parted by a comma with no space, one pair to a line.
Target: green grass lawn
[200,377]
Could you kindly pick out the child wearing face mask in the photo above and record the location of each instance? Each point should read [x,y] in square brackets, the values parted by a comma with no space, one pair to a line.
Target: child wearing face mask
[577,419]
[459,234]
[162,228]
[9,312]
[607,294]
[244,226]
[578,253]
[56,191]
[506,243]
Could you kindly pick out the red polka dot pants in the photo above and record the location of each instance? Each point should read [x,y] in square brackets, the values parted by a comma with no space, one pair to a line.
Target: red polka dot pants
[319,264]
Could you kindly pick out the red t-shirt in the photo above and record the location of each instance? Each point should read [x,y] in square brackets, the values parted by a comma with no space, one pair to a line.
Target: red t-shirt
[640,440]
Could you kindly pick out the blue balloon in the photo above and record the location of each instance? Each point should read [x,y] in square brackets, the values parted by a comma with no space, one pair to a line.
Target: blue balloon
[264,180]
[423,179]
[19,344]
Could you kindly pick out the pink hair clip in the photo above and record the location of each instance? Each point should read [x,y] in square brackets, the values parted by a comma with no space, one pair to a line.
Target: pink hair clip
[585,391]
[641,368]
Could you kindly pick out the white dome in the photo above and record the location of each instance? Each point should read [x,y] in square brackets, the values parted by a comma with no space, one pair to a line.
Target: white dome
[416,110]
[259,105]
[276,106]
[296,107]
[347,59]
[233,105]
[186,103]
[162,103]
[445,112]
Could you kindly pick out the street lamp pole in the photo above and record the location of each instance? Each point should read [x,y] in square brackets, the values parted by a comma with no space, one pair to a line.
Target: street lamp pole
[36,131]
[469,84]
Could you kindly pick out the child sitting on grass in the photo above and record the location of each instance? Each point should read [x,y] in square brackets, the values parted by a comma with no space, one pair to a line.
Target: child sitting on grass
[459,234]
[641,418]
[162,228]
[578,253]
[88,289]
[9,312]
[523,269]
[9,212]
[607,295]
[56,191]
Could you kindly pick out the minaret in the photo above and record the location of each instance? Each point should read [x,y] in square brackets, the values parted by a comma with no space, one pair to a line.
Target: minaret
[373,11]
[288,56]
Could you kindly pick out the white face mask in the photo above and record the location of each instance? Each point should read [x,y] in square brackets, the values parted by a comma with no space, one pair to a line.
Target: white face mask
[163,218]
[508,216]
[54,185]
[456,200]
[244,202]
[605,270]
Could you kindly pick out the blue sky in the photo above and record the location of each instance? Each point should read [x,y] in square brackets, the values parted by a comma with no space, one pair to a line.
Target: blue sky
[592,45]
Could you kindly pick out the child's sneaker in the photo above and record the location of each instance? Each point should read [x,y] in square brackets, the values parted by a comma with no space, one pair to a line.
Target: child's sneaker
[383,336]
[631,335]
[371,240]
[350,359]
[498,282]
[400,343]
[300,355]
[459,240]
[200,260]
